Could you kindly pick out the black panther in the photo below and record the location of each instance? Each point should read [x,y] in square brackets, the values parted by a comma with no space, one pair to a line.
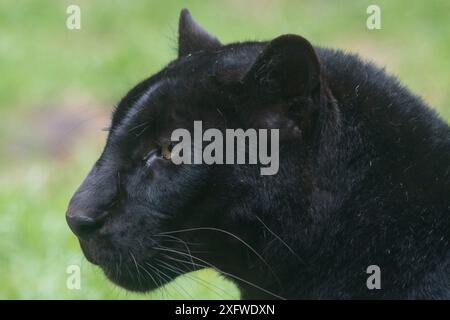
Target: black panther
[364,177]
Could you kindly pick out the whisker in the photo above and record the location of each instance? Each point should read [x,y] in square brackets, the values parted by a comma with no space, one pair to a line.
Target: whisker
[178,271]
[178,239]
[201,281]
[221,271]
[161,285]
[283,242]
[147,272]
[235,237]
[137,269]
[169,279]
[174,282]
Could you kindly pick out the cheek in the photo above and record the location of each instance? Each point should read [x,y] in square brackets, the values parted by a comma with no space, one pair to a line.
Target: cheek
[161,193]
[135,224]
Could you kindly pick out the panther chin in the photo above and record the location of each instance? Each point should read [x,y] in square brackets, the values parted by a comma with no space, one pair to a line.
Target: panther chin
[128,271]
[131,282]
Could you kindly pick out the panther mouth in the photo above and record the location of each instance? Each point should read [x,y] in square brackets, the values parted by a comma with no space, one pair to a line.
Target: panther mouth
[132,272]
[141,276]
[87,253]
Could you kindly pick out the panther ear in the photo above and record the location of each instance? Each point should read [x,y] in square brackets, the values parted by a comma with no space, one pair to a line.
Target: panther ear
[192,37]
[287,67]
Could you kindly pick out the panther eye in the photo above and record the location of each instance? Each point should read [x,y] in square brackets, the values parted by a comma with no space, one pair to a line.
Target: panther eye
[163,151]
[166,150]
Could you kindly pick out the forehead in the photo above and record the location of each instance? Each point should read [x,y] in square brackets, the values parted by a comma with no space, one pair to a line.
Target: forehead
[182,88]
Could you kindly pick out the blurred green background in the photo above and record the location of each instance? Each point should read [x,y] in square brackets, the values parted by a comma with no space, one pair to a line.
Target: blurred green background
[57,87]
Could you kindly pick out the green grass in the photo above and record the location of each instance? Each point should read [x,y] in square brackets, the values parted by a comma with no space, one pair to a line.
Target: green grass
[44,68]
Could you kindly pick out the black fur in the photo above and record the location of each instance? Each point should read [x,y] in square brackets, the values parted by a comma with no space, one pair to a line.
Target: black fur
[364,177]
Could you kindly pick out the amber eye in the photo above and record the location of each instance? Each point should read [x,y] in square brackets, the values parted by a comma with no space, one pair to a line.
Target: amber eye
[166,150]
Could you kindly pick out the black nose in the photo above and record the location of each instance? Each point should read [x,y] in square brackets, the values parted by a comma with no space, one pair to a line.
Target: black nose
[83,224]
